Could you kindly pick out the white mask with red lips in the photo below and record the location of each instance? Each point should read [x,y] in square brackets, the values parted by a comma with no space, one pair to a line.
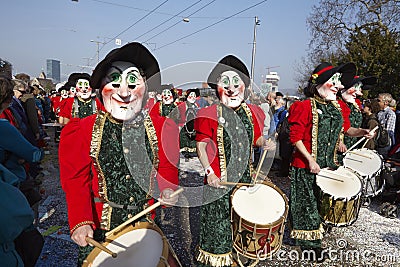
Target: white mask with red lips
[231,89]
[329,89]
[191,98]
[83,89]
[167,97]
[124,90]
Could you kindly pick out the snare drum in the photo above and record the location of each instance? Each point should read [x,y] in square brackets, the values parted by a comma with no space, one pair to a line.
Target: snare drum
[258,219]
[141,245]
[369,164]
[339,196]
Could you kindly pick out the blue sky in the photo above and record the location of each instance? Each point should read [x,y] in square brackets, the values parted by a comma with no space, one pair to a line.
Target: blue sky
[63,30]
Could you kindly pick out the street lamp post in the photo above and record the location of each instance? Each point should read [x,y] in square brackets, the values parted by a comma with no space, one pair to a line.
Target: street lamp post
[98,49]
[253,56]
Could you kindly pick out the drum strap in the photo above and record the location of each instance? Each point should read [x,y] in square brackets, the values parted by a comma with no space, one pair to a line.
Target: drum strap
[115,205]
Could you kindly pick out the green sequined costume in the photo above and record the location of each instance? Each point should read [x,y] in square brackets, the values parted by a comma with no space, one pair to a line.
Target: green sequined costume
[215,248]
[122,188]
[327,123]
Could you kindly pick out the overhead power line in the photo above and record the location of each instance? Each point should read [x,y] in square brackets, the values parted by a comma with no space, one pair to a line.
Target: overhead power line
[165,21]
[180,21]
[211,25]
[136,22]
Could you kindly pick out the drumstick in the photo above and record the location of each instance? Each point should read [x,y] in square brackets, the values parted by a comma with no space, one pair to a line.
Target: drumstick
[361,155]
[100,246]
[233,183]
[359,141]
[323,176]
[333,173]
[140,214]
[260,163]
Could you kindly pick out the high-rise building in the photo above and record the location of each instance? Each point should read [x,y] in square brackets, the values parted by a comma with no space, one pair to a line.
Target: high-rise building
[53,69]
[270,83]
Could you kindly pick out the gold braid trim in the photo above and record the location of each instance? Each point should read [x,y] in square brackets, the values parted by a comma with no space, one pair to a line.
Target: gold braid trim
[314,130]
[220,145]
[308,234]
[248,113]
[81,224]
[151,133]
[97,135]
[215,260]
[340,137]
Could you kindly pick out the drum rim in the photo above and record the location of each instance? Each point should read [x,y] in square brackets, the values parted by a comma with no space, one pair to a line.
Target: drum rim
[281,219]
[138,225]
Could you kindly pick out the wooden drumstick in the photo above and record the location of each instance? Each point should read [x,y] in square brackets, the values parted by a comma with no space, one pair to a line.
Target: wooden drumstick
[100,246]
[359,141]
[140,214]
[260,163]
[233,183]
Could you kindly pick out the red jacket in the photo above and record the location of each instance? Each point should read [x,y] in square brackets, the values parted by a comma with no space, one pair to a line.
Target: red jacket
[300,120]
[206,125]
[80,179]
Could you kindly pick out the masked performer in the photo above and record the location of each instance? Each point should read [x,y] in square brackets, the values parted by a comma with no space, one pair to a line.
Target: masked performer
[113,163]
[225,135]
[315,125]
[188,111]
[351,107]
[83,104]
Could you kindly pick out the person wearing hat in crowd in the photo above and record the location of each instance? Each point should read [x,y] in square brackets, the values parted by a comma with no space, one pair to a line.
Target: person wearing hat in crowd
[188,110]
[167,107]
[351,107]
[84,103]
[225,135]
[116,162]
[315,125]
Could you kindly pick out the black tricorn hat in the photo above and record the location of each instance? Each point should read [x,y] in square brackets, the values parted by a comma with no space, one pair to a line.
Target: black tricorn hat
[229,62]
[195,90]
[367,82]
[135,53]
[74,77]
[324,71]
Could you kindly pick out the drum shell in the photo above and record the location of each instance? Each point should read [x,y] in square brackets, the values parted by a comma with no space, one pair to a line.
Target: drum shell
[339,211]
[166,255]
[265,239]
[361,161]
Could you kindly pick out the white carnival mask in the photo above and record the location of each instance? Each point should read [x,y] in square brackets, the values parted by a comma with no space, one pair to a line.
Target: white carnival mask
[124,91]
[231,89]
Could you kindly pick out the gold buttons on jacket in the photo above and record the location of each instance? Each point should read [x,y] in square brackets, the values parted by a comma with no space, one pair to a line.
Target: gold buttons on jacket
[129,216]
[127,177]
[131,199]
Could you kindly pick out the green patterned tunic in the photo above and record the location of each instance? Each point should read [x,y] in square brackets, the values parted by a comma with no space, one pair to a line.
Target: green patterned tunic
[85,107]
[125,152]
[216,231]
[305,219]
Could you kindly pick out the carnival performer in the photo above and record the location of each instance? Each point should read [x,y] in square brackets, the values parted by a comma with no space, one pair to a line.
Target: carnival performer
[83,104]
[351,106]
[225,135]
[188,110]
[113,163]
[315,125]
[167,107]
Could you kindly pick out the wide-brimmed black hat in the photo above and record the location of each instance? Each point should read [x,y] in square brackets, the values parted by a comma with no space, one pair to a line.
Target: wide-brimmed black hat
[367,82]
[324,71]
[74,77]
[195,90]
[136,54]
[230,62]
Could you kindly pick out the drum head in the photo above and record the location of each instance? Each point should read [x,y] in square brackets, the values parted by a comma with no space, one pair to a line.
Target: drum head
[342,183]
[139,247]
[260,204]
[364,161]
